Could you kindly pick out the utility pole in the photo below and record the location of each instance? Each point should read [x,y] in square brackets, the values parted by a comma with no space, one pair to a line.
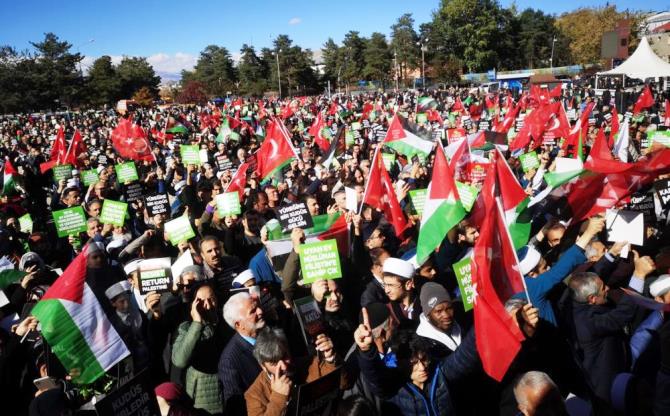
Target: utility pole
[551,60]
[423,62]
[278,73]
[395,69]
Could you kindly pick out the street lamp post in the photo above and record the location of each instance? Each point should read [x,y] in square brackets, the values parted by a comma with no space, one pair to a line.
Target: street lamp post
[551,60]
[395,68]
[423,62]
[278,73]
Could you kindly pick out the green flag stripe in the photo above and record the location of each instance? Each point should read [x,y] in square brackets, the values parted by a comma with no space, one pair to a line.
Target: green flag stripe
[436,227]
[67,341]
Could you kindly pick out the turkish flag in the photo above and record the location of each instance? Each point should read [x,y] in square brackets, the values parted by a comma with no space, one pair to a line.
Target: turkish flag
[76,149]
[239,180]
[495,277]
[130,141]
[57,156]
[645,100]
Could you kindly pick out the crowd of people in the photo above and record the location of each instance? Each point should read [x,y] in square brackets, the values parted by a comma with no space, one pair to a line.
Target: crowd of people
[226,336]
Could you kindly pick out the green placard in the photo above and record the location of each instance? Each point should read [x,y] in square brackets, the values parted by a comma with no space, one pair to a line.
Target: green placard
[355,125]
[662,137]
[464,277]
[320,260]
[126,172]
[349,138]
[69,221]
[468,194]
[421,118]
[228,204]
[388,159]
[529,161]
[190,154]
[418,198]
[26,224]
[113,212]
[179,230]
[89,177]
[62,172]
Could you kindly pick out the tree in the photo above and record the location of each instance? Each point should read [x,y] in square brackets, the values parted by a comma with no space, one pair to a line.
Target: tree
[103,84]
[330,55]
[404,43]
[377,58]
[17,91]
[252,72]
[476,32]
[584,28]
[193,92]
[55,77]
[144,97]
[295,67]
[352,57]
[535,32]
[135,73]
[215,70]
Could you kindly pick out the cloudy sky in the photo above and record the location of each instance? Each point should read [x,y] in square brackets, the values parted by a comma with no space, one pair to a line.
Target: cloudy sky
[172,33]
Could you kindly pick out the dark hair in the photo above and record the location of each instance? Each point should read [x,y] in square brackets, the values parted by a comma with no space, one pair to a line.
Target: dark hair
[356,406]
[375,255]
[208,238]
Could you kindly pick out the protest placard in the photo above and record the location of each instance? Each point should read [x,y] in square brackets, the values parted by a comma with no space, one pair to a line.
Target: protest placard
[204,156]
[351,199]
[26,224]
[184,260]
[662,189]
[643,202]
[318,398]
[157,204]
[388,159]
[89,177]
[294,216]
[625,226]
[464,277]
[421,118]
[69,221]
[113,212]
[320,260]
[179,230]
[228,204]
[62,172]
[126,172]
[134,191]
[155,275]
[223,163]
[190,154]
[310,319]
[134,398]
[661,137]
[418,199]
[355,125]
[468,194]
[529,161]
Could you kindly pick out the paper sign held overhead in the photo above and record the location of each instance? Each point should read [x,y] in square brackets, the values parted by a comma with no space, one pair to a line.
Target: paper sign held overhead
[625,226]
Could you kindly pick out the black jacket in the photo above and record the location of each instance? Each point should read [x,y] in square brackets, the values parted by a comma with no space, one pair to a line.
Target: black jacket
[237,371]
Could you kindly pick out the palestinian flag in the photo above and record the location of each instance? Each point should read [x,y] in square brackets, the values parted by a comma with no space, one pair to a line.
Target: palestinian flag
[424,104]
[275,152]
[326,227]
[176,127]
[337,148]
[442,210]
[224,131]
[402,140]
[9,276]
[76,327]
[514,202]
[8,177]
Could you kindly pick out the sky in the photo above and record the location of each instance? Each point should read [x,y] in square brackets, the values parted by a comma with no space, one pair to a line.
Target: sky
[172,33]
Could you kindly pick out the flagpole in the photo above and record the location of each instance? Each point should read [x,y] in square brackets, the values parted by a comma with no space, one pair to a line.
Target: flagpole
[367,184]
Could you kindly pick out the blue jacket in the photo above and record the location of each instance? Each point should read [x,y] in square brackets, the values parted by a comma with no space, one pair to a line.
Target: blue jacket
[237,371]
[540,286]
[402,397]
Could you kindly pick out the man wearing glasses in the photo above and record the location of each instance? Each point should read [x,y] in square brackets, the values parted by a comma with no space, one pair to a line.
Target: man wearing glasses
[398,277]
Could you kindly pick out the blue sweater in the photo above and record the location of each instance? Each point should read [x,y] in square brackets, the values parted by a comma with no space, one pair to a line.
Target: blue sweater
[539,286]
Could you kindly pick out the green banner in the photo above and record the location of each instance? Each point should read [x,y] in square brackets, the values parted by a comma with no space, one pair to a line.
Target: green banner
[349,138]
[662,137]
[89,177]
[320,260]
[468,194]
[228,204]
[126,172]
[388,159]
[418,198]
[179,230]
[62,172]
[113,212]
[26,224]
[69,221]
[190,154]
[464,277]
[529,161]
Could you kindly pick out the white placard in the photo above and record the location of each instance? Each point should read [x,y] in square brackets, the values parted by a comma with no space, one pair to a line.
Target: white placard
[625,226]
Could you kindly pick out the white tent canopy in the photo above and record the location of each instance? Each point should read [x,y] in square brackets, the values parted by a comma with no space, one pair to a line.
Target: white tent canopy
[642,64]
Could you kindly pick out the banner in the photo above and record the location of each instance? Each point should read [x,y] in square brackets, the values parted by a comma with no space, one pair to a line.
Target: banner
[62,172]
[157,204]
[89,177]
[294,216]
[228,204]
[464,277]
[190,154]
[179,230]
[418,199]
